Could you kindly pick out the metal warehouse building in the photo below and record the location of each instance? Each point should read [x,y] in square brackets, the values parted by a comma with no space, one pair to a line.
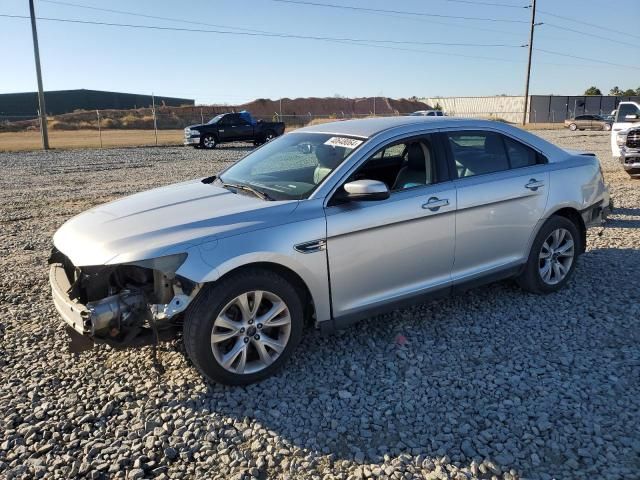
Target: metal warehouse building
[542,108]
[65,101]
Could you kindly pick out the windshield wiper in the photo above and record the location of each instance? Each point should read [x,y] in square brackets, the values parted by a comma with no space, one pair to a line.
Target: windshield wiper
[248,188]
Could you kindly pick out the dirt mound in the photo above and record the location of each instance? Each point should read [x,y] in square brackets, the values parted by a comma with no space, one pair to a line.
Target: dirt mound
[333,106]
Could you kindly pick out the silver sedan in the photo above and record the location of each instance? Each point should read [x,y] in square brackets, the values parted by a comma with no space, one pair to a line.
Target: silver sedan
[325,225]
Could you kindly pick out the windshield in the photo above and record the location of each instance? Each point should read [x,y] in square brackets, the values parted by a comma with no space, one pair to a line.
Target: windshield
[215,119]
[292,166]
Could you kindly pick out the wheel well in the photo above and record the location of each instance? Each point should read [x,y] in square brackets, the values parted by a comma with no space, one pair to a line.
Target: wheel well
[573,215]
[292,277]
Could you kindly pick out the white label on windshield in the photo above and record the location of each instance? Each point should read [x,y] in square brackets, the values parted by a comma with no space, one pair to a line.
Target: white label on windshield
[343,142]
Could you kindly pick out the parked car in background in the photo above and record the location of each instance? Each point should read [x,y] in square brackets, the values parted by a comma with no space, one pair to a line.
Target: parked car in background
[428,113]
[627,116]
[328,224]
[588,122]
[232,127]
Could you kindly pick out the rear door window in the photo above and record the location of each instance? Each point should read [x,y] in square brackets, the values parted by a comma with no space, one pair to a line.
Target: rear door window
[478,153]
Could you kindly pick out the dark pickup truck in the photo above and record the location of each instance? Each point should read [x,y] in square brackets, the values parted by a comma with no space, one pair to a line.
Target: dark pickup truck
[232,127]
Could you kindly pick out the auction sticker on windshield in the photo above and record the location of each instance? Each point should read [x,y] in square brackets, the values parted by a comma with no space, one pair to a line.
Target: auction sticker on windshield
[343,142]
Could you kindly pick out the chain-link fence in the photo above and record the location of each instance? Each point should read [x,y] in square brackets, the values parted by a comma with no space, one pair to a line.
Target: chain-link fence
[139,127]
[160,126]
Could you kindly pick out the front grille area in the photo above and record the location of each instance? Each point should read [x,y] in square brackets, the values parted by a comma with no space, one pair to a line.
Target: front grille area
[633,139]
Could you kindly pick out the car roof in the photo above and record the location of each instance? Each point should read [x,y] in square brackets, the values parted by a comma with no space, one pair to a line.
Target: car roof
[369,127]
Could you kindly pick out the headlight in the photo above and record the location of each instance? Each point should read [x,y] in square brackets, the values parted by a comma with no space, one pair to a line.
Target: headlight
[621,139]
[168,264]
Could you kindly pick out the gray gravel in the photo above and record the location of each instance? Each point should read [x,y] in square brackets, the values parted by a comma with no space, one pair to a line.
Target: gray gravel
[493,384]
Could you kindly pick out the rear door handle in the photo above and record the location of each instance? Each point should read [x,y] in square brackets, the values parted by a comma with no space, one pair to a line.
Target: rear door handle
[435,203]
[534,184]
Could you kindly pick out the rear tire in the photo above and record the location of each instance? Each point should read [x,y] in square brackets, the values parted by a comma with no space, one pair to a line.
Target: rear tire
[268,136]
[573,127]
[216,312]
[553,257]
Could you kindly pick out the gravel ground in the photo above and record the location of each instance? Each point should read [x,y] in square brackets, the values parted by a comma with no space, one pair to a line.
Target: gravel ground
[493,384]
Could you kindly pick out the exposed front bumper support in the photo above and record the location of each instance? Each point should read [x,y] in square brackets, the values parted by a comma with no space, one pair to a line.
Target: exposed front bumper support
[76,315]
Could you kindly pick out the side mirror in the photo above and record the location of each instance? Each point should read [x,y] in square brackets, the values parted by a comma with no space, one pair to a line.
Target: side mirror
[631,117]
[366,190]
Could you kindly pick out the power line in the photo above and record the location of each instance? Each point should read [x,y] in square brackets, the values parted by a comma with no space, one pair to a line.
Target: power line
[355,41]
[401,12]
[349,41]
[551,52]
[582,22]
[192,22]
[155,17]
[490,4]
[593,35]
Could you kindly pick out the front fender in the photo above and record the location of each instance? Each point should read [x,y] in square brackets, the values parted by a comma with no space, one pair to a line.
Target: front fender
[272,245]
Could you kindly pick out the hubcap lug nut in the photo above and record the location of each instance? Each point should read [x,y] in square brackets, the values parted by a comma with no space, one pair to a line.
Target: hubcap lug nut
[246,339]
[257,337]
[259,325]
[242,330]
[250,322]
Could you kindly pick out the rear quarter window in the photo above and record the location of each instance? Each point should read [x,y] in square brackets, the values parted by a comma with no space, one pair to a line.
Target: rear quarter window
[520,155]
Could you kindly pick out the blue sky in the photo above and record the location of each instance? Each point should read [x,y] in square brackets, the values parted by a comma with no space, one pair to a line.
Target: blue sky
[227,68]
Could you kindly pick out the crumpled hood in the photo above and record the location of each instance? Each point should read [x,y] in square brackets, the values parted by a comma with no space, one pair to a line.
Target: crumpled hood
[160,221]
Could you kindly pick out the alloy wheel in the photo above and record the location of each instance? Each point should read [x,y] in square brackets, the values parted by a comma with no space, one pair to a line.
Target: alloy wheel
[251,332]
[209,142]
[556,256]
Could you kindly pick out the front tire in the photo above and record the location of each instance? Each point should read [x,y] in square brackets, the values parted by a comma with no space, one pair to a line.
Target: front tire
[209,142]
[553,257]
[244,328]
[606,127]
[573,127]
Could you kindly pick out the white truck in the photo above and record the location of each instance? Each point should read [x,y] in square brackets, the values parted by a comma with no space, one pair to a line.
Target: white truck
[625,137]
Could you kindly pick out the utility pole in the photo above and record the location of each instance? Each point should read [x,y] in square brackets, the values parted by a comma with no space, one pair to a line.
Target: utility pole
[155,123]
[526,88]
[36,53]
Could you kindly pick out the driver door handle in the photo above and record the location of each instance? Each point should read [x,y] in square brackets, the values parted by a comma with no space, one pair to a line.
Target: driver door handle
[435,203]
[534,184]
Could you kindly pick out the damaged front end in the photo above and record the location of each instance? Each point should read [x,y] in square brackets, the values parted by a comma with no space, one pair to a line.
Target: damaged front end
[126,305]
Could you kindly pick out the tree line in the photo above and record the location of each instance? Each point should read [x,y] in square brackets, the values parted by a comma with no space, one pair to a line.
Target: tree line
[630,92]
